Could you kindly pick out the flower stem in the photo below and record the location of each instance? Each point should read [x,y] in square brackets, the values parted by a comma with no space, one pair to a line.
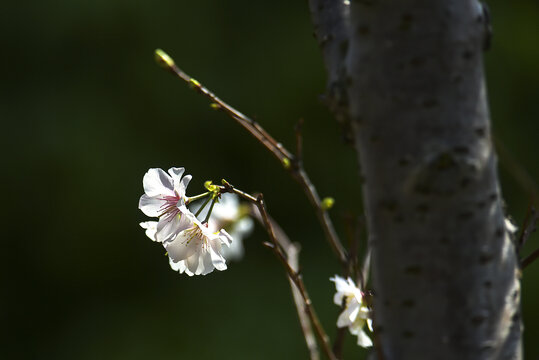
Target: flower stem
[203,206]
[214,200]
[197,197]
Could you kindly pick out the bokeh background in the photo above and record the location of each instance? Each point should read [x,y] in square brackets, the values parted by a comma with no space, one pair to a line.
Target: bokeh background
[85,112]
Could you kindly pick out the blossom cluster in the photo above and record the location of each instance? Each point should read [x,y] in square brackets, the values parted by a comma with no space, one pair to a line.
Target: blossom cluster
[192,246]
[356,313]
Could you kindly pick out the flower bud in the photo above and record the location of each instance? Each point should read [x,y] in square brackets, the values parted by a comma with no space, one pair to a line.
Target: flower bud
[163,59]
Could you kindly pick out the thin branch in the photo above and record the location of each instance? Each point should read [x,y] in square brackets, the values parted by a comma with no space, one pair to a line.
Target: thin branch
[529,226]
[338,344]
[298,281]
[292,254]
[293,275]
[299,143]
[301,176]
[306,327]
[529,259]
[276,148]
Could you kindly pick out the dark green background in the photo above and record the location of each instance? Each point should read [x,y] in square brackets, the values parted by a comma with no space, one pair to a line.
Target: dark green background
[85,112]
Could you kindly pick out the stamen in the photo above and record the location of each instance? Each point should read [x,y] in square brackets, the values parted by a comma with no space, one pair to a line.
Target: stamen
[169,207]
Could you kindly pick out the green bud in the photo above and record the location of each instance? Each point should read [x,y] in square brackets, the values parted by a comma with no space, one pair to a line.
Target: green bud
[194,84]
[215,106]
[286,163]
[209,186]
[163,59]
[327,203]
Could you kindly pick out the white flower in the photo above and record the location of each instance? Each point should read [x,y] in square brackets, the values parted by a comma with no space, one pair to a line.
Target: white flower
[164,194]
[511,228]
[355,314]
[227,214]
[196,250]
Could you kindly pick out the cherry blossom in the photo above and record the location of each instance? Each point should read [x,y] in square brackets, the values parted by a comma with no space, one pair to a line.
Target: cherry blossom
[355,314]
[197,250]
[163,195]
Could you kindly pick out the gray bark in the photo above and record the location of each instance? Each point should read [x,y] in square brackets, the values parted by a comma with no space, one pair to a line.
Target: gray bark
[331,28]
[445,271]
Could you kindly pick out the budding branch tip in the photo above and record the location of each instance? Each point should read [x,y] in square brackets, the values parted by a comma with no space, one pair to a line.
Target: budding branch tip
[163,59]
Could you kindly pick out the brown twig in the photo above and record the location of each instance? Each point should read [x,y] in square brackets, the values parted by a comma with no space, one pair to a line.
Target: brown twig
[529,259]
[276,148]
[298,281]
[293,275]
[292,254]
[528,227]
[299,143]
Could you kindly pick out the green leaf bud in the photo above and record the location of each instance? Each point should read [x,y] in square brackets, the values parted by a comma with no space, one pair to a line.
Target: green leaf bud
[163,59]
[286,163]
[327,203]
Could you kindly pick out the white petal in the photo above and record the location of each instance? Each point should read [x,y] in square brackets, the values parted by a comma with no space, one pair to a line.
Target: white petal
[511,228]
[364,312]
[183,247]
[225,238]
[177,266]
[369,324]
[150,206]
[217,260]
[338,298]
[348,316]
[151,228]
[192,263]
[200,267]
[342,285]
[363,340]
[339,282]
[168,227]
[189,216]
[186,270]
[157,182]
[208,264]
[182,185]
[176,174]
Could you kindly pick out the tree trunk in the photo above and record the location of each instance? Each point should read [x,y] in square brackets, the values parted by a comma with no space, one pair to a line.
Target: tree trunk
[445,271]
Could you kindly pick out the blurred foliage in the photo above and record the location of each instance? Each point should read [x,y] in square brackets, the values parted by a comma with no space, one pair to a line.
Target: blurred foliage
[86,112]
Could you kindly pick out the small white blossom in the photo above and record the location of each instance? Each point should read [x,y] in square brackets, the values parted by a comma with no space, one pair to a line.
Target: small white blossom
[355,314]
[197,250]
[511,228]
[164,194]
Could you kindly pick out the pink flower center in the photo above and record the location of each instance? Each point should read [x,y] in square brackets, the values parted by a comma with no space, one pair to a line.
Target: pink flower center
[169,208]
